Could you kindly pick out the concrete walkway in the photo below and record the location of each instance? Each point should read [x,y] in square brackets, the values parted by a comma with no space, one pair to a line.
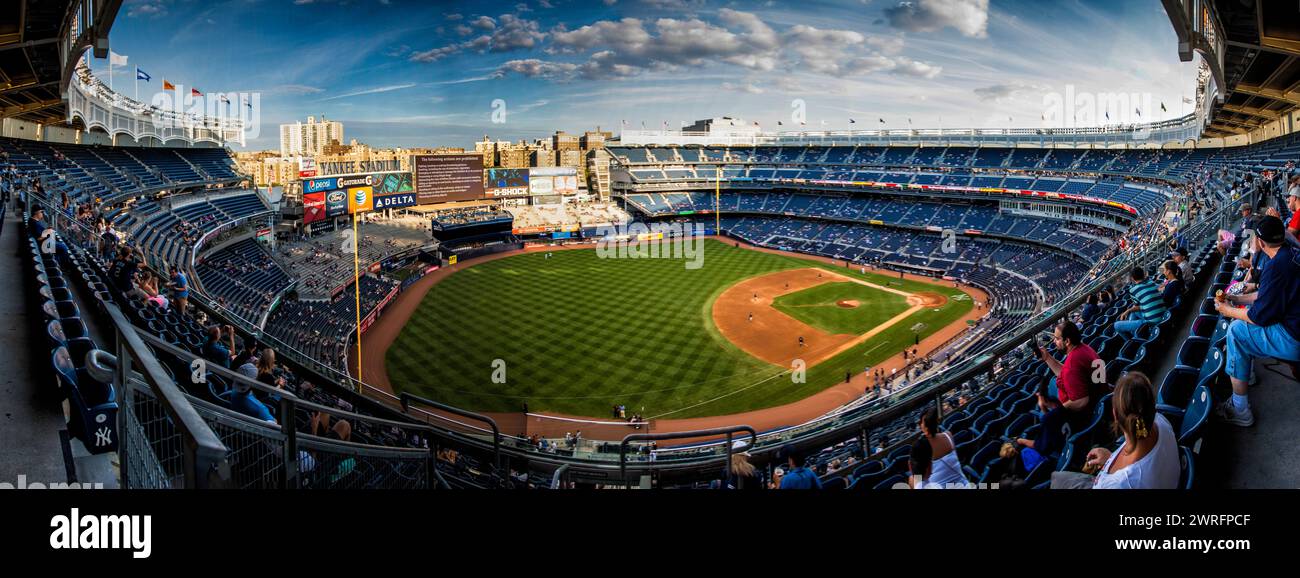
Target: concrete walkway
[30,419]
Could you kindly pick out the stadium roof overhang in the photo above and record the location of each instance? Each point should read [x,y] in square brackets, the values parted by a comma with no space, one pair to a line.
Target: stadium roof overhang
[40,40]
[1261,64]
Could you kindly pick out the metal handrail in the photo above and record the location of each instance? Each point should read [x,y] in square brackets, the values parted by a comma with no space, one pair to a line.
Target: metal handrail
[205,455]
[729,431]
[407,397]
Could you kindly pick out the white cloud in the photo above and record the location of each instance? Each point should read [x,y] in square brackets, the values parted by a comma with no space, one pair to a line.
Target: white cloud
[370,91]
[1007,91]
[507,33]
[631,46]
[969,17]
[747,87]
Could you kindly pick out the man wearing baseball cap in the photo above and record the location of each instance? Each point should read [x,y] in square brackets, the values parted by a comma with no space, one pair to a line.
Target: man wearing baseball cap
[1270,327]
[1293,204]
[1179,256]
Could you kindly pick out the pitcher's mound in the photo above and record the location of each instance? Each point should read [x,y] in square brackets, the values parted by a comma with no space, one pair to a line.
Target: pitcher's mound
[847,303]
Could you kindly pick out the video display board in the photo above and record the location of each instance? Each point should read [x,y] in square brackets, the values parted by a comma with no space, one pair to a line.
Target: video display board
[448,178]
[506,182]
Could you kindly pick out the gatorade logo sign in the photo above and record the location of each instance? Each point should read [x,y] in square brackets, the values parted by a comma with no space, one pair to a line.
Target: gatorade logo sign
[363,180]
[361,199]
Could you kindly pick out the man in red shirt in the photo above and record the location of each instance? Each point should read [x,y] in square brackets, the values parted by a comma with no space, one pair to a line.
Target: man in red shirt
[1078,384]
[1293,203]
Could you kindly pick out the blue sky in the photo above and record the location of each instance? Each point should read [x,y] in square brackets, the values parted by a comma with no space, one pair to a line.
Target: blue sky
[402,73]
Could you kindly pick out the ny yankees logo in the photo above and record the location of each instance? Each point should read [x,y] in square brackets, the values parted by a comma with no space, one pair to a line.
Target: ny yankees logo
[103,437]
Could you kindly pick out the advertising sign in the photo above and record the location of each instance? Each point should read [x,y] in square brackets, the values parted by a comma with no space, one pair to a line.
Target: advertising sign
[541,185]
[336,203]
[306,167]
[506,182]
[319,185]
[313,208]
[448,178]
[394,201]
[361,199]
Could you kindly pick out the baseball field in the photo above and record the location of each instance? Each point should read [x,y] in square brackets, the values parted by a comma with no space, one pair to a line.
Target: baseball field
[574,333]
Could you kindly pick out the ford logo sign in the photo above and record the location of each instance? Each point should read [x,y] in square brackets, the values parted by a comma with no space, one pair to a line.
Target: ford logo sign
[335,197]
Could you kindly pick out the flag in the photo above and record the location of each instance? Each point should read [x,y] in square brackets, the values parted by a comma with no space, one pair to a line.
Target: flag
[882,121]
[778,123]
[168,85]
[851,121]
[1108,115]
[1162,107]
[142,75]
[195,92]
[115,59]
[224,99]
[1139,111]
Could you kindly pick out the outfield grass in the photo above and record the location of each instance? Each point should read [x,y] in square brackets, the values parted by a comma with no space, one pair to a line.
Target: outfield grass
[817,306]
[578,334]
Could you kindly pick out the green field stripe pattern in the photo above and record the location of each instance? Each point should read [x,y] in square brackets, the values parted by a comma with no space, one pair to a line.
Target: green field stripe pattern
[579,333]
[818,307]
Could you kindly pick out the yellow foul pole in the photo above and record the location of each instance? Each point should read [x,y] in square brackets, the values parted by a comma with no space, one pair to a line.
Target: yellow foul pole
[356,287]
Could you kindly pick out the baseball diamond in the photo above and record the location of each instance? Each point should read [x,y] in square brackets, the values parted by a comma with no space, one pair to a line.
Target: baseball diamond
[579,333]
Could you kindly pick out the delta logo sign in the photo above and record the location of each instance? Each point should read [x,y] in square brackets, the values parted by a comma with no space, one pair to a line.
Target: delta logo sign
[394,201]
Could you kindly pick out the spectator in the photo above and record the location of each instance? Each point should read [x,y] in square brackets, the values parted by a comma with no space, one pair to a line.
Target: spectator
[246,354]
[743,474]
[1148,307]
[945,469]
[919,466]
[1270,327]
[1179,256]
[180,290]
[217,352]
[1090,309]
[1173,286]
[1076,389]
[266,369]
[1148,460]
[797,476]
[242,399]
[1293,205]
